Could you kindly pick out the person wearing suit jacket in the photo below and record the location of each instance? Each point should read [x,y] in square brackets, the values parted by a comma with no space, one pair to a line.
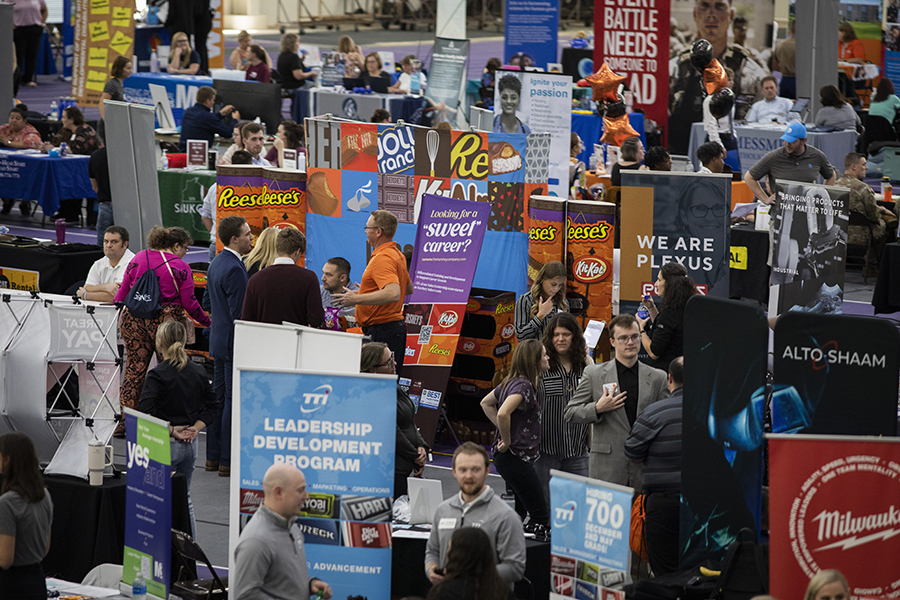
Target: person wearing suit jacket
[226,284]
[610,397]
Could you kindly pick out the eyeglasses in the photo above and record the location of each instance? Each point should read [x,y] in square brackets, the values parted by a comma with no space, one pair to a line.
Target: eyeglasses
[628,338]
[701,211]
[366,228]
[388,362]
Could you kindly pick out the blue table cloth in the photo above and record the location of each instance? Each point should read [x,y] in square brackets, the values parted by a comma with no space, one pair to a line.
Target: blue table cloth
[45,179]
[46,62]
[181,89]
[590,129]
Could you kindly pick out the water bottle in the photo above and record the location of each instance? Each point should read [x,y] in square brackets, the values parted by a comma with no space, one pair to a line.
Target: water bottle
[165,160]
[60,231]
[54,111]
[4,230]
[63,149]
[139,588]
[154,62]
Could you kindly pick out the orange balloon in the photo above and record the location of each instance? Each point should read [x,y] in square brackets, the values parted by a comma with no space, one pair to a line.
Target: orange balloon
[617,130]
[605,84]
[714,77]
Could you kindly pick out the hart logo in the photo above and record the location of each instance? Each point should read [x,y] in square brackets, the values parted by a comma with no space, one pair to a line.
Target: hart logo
[829,354]
[448,319]
[590,269]
[508,331]
[565,514]
[138,455]
[316,399]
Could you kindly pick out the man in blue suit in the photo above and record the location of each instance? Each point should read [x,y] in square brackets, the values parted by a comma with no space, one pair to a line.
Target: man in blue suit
[225,286]
[199,122]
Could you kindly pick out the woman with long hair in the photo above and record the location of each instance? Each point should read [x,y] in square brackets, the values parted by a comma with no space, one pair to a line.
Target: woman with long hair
[290,67]
[546,298]
[114,89]
[513,408]
[850,48]
[471,571]
[563,444]
[166,249]
[290,136]
[835,111]
[510,97]
[827,584]
[178,391]
[662,333]
[885,103]
[354,65]
[631,157]
[26,514]
[263,253]
[257,68]
[411,451]
[183,59]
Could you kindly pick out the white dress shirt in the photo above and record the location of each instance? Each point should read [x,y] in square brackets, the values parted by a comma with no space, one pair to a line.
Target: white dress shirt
[103,272]
[777,109]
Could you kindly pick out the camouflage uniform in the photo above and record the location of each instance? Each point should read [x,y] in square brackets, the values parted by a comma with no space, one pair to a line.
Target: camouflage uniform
[862,200]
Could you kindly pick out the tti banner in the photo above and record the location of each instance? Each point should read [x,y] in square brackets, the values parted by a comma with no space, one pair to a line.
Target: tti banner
[447,74]
[148,503]
[104,30]
[820,363]
[810,248]
[531,31]
[340,431]
[590,556]
[820,520]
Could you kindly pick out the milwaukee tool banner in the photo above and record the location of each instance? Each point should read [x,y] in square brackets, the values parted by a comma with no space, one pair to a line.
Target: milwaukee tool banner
[835,374]
[833,504]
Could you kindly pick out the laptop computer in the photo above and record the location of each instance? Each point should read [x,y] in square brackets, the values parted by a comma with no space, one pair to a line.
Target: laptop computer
[354,82]
[800,105]
[425,495]
[378,85]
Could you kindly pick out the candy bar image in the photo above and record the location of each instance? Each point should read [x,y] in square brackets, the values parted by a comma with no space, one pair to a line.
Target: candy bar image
[534,267]
[356,143]
[504,158]
[321,200]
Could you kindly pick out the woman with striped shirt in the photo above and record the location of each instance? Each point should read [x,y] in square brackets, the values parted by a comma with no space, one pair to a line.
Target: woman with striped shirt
[546,297]
[563,445]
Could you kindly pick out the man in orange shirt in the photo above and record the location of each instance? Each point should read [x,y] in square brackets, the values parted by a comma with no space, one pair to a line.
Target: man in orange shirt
[385,282]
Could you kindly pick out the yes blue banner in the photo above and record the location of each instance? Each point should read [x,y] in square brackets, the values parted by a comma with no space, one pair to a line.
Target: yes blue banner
[531,33]
[340,431]
[148,502]
[590,556]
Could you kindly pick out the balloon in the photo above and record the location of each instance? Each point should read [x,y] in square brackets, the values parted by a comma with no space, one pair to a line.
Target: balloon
[721,102]
[701,54]
[583,83]
[616,109]
[617,130]
[714,77]
[605,84]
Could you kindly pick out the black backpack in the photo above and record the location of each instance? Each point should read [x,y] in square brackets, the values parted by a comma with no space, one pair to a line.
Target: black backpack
[745,572]
[144,298]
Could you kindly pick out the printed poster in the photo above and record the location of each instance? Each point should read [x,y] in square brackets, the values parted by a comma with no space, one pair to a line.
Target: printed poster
[530,33]
[184,191]
[19,279]
[340,430]
[104,30]
[447,75]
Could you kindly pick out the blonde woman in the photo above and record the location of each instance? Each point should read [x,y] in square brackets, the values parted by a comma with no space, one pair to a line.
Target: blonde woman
[183,60]
[546,298]
[355,64]
[828,584]
[263,253]
[240,58]
[291,69]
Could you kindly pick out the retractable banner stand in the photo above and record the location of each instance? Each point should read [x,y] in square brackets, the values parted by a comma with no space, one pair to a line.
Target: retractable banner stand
[447,75]
[531,30]
[835,375]
[448,243]
[809,248]
[674,217]
[590,556]
[148,503]
[833,505]
[340,430]
[722,441]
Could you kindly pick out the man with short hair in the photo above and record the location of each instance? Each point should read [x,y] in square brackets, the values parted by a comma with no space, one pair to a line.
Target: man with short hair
[106,274]
[610,397]
[199,123]
[862,201]
[270,557]
[712,157]
[254,139]
[655,442]
[476,505]
[658,158]
[226,284]
[385,282]
[285,291]
[772,108]
[335,277]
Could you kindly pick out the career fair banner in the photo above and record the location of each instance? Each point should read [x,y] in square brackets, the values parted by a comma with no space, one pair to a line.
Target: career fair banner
[535,103]
[148,503]
[340,430]
[590,556]
[448,242]
[722,441]
[215,43]
[104,30]
[531,30]
[447,74]
[835,374]
[809,248]
[833,506]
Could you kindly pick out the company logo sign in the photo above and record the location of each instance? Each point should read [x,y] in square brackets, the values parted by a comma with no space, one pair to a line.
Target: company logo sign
[830,354]
[251,500]
[590,269]
[565,514]
[508,331]
[315,400]
[230,198]
[448,319]
[588,232]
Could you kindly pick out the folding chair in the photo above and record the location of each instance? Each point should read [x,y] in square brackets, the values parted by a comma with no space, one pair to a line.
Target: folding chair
[185,583]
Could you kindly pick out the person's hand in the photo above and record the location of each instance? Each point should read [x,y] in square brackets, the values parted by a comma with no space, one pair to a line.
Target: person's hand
[176,52]
[770,200]
[80,292]
[45,146]
[434,578]
[418,472]
[278,143]
[648,303]
[608,402]
[226,109]
[236,115]
[544,308]
[641,322]
[348,298]
[422,458]
[884,211]
[4,140]
[502,446]
[317,585]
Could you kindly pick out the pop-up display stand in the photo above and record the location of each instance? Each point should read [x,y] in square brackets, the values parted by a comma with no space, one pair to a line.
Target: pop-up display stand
[289,346]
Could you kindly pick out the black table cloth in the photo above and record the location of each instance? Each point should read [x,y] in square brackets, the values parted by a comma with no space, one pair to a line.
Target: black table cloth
[886,298]
[58,270]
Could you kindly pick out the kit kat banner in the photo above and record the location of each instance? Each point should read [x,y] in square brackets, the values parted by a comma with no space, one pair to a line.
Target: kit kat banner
[810,248]
[104,30]
[833,505]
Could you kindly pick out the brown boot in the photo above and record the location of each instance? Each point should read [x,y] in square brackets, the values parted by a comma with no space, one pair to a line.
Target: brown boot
[224,471]
[212,465]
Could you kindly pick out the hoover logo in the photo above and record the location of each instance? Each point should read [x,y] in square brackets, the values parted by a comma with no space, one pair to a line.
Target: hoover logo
[316,399]
[565,514]
[829,354]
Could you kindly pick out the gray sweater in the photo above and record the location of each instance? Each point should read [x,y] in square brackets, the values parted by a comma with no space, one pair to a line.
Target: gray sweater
[494,517]
[270,561]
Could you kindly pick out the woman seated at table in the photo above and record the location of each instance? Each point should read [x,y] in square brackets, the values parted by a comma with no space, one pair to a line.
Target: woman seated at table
[576,167]
[240,58]
[662,334]
[885,103]
[237,144]
[114,89]
[26,514]
[183,60]
[258,70]
[404,83]
[78,135]
[290,135]
[850,49]
[20,135]
[835,111]
[354,64]
[375,69]
[631,158]
[291,71]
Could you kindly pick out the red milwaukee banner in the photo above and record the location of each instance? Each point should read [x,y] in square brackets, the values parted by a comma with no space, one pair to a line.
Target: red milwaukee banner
[834,503]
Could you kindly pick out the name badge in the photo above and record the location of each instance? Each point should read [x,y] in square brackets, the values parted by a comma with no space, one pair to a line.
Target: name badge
[447,523]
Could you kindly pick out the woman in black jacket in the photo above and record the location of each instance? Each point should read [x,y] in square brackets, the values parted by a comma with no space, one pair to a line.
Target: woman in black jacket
[471,572]
[662,334]
[411,452]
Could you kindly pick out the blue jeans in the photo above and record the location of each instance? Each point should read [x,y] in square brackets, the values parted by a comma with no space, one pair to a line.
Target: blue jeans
[184,459]
[577,465]
[218,433]
[524,481]
[104,220]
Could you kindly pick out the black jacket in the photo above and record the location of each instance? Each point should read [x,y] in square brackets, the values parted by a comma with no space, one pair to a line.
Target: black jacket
[179,397]
[408,438]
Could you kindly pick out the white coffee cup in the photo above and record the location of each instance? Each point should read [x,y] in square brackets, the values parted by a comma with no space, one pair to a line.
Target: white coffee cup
[97,460]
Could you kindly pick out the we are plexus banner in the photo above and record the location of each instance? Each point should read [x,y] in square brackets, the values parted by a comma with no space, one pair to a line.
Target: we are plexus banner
[340,431]
[148,503]
[590,555]
[833,505]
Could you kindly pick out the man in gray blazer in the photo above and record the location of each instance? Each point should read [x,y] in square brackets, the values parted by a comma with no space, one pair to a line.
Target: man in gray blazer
[610,397]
